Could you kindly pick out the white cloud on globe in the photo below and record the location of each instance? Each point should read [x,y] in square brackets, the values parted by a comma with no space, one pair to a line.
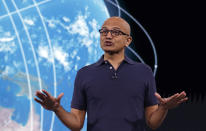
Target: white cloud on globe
[29,22]
[43,51]
[7,124]
[7,71]
[8,39]
[95,27]
[61,56]
[66,19]
[7,45]
[79,26]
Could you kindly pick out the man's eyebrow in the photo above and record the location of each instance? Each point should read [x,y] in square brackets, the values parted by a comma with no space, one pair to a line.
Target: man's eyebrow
[112,28]
[116,28]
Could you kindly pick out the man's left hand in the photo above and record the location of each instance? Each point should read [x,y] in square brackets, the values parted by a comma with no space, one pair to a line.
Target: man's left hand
[172,101]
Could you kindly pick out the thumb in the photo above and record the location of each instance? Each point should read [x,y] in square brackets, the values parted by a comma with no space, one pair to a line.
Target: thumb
[159,97]
[60,96]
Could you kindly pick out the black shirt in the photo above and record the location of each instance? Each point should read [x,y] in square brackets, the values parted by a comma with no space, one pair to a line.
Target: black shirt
[114,99]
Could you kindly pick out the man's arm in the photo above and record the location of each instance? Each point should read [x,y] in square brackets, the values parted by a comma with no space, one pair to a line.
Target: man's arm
[156,114]
[73,120]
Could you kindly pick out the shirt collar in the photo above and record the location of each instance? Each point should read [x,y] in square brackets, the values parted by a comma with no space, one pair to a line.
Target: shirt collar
[126,59]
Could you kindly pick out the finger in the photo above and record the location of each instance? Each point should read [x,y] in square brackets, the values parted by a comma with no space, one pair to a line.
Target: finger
[38,101]
[46,93]
[173,97]
[181,96]
[40,95]
[60,96]
[176,100]
[183,92]
[159,97]
[183,100]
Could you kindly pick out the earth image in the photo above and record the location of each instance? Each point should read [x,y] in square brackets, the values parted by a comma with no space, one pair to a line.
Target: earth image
[43,43]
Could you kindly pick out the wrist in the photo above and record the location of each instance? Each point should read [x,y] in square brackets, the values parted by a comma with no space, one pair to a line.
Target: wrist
[163,107]
[57,108]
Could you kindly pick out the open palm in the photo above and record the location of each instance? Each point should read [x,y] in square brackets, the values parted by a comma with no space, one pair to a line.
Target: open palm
[172,101]
[47,101]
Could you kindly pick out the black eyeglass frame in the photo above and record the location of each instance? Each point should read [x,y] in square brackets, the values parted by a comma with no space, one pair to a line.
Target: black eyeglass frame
[112,33]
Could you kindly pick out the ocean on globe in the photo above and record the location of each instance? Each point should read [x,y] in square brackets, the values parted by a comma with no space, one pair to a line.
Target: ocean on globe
[43,43]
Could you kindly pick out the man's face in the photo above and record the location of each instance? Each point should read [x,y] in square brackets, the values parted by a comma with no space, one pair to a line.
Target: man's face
[115,39]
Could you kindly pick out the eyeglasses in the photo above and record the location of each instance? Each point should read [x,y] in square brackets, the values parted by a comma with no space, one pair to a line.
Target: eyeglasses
[114,33]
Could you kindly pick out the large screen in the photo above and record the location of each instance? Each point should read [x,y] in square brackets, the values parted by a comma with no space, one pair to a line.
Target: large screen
[43,43]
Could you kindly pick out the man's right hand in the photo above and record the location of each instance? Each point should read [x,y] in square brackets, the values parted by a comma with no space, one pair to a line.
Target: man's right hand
[74,120]
[47,101]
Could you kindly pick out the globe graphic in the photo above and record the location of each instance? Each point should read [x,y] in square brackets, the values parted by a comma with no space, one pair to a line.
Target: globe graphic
[42,46]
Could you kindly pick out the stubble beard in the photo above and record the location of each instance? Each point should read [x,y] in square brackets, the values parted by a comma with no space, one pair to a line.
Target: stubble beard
[113,52]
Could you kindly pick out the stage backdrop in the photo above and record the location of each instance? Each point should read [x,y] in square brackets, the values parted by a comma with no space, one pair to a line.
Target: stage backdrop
[42,45]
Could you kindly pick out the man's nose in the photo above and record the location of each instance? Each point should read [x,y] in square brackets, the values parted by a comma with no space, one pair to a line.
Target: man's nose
[109,35]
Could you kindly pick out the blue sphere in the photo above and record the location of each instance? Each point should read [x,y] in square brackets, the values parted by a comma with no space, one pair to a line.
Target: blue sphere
[42,46]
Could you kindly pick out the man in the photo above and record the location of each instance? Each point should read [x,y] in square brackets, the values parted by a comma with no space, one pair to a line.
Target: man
[117,93]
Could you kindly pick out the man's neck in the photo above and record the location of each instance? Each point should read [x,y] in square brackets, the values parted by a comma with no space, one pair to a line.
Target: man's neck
[114,59]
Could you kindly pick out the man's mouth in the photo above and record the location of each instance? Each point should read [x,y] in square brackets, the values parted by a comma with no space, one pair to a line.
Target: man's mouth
[108,43]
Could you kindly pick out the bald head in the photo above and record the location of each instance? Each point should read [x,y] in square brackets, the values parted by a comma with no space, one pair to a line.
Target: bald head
[117,22]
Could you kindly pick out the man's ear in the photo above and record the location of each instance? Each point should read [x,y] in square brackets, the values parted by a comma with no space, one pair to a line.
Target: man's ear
[129,41]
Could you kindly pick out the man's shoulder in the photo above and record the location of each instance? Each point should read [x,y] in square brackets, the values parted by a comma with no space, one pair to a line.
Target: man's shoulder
[138,65]
[142,66]
[87,68]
